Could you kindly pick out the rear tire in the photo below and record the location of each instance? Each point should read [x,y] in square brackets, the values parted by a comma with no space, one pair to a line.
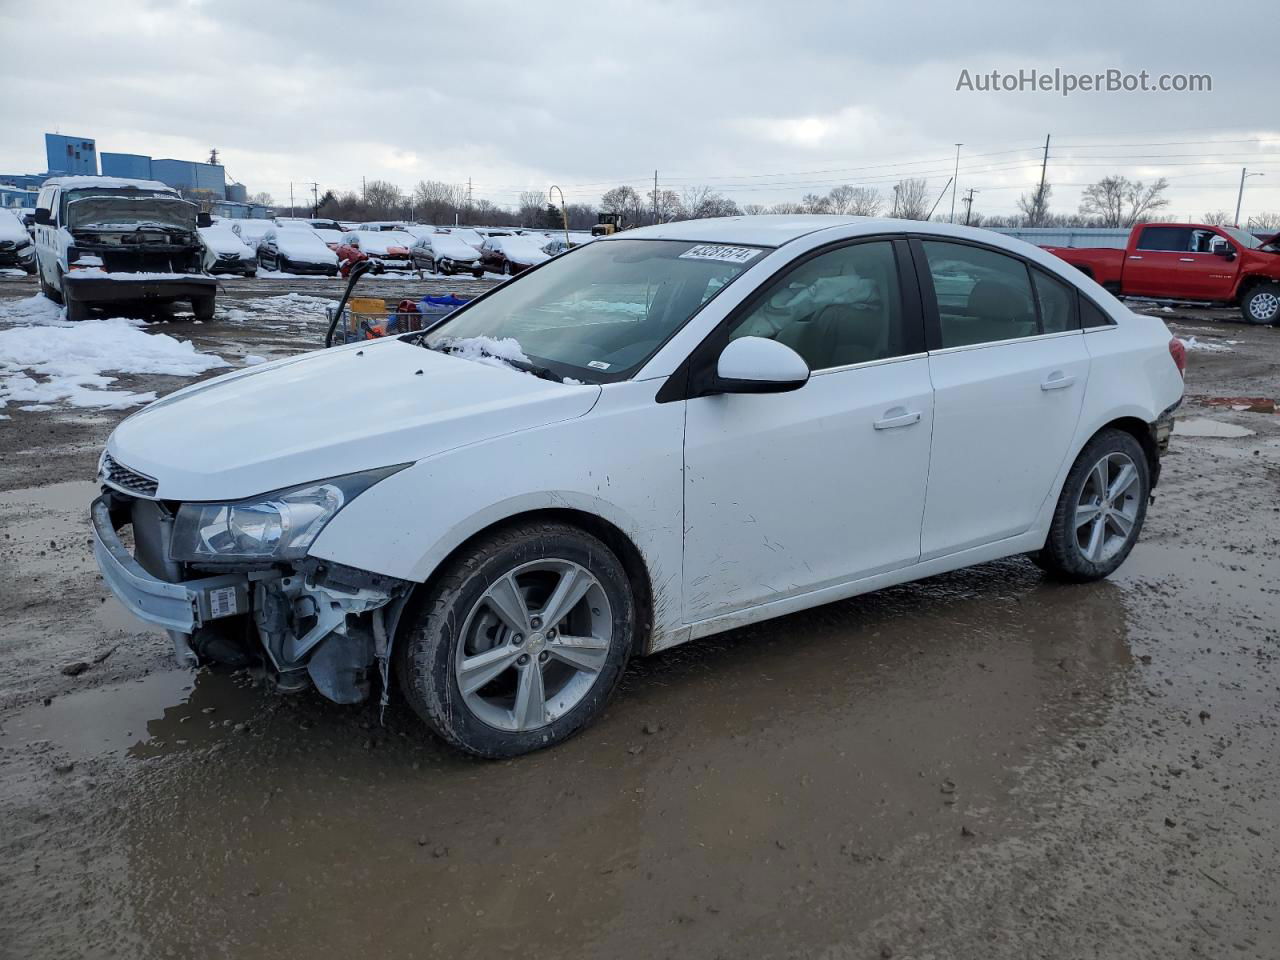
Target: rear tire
[49,292]
[1100,511]
[460,620]
[77,310]
[1261,305]
[202,307]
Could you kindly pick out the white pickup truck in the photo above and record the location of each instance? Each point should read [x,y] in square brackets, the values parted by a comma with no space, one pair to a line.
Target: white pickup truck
[103,240]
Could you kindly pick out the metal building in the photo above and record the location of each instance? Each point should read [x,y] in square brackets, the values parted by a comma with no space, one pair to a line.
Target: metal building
[191,175]
[130,166]
[74,156]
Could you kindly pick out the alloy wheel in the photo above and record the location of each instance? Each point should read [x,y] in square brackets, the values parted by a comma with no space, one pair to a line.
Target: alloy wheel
[1265,307]
[1107,511]
[533,644]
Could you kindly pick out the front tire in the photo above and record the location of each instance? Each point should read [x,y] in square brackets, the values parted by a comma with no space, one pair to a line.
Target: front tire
[1100,511]
[202,308]
[1261,305]
[77,310]
[520,642]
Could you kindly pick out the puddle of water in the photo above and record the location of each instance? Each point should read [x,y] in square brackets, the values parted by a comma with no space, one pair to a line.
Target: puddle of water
[153,715]
[1204,427]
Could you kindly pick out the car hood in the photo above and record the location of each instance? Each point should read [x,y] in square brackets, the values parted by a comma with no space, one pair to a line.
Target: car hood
[332,412]
[308,249]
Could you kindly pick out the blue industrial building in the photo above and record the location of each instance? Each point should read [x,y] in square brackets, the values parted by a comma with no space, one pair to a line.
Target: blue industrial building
[129,166]
[70,156]
[191,175]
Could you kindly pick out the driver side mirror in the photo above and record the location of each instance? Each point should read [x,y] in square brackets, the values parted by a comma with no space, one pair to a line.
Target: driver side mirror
[204,220]
[758,365]
[1223,249]
[43,217]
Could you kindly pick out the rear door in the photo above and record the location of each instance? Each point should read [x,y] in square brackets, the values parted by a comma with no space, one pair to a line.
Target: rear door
[1009,368]
[1159,264]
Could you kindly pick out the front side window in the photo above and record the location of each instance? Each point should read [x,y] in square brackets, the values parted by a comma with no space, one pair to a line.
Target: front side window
[982,296]
[839,308]
[601,311]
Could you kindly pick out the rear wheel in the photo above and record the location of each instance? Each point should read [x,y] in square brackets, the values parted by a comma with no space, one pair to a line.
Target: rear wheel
[77,310]
[1261,305]
[521,641]
[1101,509]
[202,307]
[49,292]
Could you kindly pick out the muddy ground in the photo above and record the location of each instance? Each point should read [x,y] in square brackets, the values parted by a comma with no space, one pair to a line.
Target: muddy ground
[985,764]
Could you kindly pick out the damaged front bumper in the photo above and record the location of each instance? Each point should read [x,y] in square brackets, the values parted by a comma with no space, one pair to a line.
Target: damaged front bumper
[316,624]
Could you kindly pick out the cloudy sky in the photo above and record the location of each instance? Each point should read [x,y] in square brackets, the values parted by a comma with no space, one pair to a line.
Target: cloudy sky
[763,101]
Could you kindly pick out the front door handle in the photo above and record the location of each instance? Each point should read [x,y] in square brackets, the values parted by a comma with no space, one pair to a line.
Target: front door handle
[1057,381]
[1135,258]
[897,417]
[1186,259]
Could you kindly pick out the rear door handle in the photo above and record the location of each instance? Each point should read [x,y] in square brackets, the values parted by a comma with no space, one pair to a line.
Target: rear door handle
[1057,381]
[897,417]
[1186,259]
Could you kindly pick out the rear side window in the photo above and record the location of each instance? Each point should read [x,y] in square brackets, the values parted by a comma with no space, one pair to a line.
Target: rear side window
[1057,302]
[982,296]
[839,308]
[1091,315]
[1165,239]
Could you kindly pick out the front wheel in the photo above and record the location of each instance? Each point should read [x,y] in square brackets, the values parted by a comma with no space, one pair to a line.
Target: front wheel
[77,310]
[202,308]
[1101,509]
[520,642]
[1261,305]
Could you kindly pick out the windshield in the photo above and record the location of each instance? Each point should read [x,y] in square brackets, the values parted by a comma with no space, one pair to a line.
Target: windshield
[600,311]
[131,212]
[1243,237]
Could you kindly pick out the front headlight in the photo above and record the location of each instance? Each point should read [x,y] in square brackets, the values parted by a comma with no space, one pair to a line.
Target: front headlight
[276,526]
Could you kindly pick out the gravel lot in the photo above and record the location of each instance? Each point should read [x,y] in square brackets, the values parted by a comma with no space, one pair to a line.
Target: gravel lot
[985,764]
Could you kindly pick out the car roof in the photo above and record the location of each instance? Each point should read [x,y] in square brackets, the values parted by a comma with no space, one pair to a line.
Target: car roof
[774,230]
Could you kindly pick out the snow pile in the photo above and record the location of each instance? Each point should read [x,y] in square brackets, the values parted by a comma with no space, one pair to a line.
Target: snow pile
[49,361]
[1191,343]
[504,353]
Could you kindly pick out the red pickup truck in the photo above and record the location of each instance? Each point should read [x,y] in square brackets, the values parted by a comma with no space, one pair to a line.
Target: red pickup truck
[1189,261]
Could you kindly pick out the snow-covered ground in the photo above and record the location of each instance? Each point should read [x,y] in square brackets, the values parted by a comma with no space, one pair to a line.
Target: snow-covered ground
[48,362]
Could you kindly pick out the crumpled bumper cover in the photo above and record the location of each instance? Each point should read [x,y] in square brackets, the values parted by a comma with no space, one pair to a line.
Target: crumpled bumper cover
[179,607]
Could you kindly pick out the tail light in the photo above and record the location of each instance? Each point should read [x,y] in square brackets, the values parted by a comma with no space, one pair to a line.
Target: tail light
[1178,350]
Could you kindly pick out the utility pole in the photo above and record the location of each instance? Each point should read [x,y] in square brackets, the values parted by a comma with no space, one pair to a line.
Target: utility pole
[291,198]
[968,205]
[315,199]
[955,182]
[896,188]
[1244,174]
[655,196]
[468,199]
[1044,169]
[213,156]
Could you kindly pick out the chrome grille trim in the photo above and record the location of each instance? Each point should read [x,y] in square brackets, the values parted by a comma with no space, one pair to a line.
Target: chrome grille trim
[126,480]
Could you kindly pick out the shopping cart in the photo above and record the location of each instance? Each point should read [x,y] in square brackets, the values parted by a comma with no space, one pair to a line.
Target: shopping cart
[355,319]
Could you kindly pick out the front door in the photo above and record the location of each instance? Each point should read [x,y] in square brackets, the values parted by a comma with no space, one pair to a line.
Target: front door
[788,493]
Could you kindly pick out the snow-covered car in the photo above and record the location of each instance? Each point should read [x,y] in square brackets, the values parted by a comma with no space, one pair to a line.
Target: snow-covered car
[467,235]
[655,437]
[510,254]
[16,247]
[330,231]
[388,249]
[447,254]
[251,231]
[105,240]
[296,248]
[225,252]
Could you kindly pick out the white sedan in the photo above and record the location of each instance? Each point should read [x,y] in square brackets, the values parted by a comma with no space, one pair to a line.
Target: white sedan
[658,436]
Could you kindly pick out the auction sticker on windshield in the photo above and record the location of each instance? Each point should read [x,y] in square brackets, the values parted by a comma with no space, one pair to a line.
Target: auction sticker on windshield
[716,251]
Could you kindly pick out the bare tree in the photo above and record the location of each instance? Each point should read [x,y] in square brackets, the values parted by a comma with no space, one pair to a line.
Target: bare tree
[383,200]
[530,207]
[1265,221]
[856,201]
[668,206]
[1035,205]
[1217,218]
[262,198]
[700,202]
[582,216]
[911,199]
[755,209]
[1120,202]
[437,202]
[787,208]
[625,201]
